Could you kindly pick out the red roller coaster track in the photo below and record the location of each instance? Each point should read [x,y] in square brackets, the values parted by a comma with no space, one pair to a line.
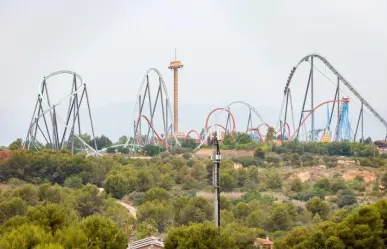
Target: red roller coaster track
[150,125]
[192,131]
[310,113]
[220,109]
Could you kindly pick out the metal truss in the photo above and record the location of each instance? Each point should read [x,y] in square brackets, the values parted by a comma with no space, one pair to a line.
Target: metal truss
[44,131]
[157,104]
[309,94]
[230,125]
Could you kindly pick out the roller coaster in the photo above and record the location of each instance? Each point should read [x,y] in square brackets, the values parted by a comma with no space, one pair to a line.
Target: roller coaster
[152,120]
[49,129]
[341,105]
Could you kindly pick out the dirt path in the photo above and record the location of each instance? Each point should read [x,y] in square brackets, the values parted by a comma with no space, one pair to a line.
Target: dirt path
[132,210]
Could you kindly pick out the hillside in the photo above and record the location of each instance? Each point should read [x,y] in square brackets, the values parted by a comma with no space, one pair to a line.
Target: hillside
[265,192]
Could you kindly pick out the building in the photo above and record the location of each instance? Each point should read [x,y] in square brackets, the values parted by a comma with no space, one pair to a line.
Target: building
[147,243]
[263,243]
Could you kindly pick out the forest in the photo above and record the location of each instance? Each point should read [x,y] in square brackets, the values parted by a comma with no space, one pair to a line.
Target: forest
[54,199]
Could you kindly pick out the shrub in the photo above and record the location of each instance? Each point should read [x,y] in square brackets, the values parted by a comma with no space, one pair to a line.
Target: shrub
[73,181]
[296,185]
[246,161]
[374,162]
[187,155]
[346,198]
[136,197]
[337,184]
[323,183]
[152,150]
[365,162]
[255,195]
[273,159]
[357,185]
[259,153]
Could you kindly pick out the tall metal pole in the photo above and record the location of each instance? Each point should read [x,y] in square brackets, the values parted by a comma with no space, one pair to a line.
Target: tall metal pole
[164,114]
[292,110]
[166,121]
[78,103]
[357,125]
[312,98]
[333,107]
[228,119]
[338,97]
[91,120]
[303,105]
[248,122]
[138,128]
[215,178]
[362,122]
[281,129]
[286,114]
[150,111]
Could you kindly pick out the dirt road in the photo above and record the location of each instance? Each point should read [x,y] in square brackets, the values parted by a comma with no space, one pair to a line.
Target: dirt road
[132,210]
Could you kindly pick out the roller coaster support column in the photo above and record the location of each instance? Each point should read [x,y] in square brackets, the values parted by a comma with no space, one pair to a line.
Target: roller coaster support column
[312,98]
[166,121]
[362,123]
[164,116]
[140,104]
[303,105]
[338,96]
[249,122]
[215,178]
[228,121]
[286,114]
[150,111]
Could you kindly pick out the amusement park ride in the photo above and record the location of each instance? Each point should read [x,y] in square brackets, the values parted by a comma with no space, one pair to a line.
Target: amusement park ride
[153,121]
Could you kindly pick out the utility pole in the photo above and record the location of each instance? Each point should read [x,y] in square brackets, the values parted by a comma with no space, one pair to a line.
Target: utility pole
[215,177]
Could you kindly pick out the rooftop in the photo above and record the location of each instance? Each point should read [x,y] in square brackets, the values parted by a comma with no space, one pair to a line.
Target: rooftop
[146,242]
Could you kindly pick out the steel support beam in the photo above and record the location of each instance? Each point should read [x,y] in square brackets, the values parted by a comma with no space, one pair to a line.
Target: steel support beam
[285,117]
[312,99]
[303,104]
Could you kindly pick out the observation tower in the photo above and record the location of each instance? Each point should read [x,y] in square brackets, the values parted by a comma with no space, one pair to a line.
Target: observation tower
[175,66]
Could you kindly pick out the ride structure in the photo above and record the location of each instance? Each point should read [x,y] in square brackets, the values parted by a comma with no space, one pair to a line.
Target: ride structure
[343,130]
[216,120]
[49,129]
[154,123]
[152,109]
[175,66]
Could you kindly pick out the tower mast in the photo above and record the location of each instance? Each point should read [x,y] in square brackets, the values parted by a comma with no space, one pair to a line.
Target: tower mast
[175,66]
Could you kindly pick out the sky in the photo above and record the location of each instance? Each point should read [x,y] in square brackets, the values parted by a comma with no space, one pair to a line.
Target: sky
[231,50]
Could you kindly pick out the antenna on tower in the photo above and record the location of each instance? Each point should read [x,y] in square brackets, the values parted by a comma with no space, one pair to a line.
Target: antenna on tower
[175,54]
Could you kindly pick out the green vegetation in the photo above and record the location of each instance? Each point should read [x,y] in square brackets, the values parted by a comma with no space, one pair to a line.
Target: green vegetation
[298,194]
[331,149]
[240,141]
[51,216]
[361,228]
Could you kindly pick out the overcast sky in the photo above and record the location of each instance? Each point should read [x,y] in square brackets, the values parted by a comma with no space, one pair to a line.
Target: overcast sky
[242,50]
